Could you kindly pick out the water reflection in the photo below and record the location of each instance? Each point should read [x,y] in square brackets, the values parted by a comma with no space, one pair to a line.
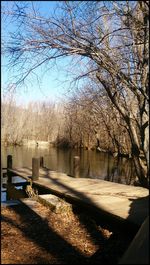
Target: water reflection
[93,164]
[120,170]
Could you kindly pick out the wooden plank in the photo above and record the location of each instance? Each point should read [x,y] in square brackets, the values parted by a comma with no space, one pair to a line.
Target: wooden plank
[99,188]
[24,173]
[87,185]
[119,200]
[133,209]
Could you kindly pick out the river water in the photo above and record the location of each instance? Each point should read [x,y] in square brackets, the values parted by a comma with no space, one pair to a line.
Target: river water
[93,164]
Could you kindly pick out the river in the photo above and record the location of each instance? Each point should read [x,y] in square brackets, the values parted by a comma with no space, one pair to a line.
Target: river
[93,164]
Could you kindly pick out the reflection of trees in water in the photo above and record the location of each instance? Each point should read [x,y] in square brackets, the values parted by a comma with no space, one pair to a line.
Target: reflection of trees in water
[92,164]
[88,166]
[120,170]
[85,163]
[129,172]
[111,169]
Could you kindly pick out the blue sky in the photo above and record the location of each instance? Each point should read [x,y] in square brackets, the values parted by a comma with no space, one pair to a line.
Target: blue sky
[53,83]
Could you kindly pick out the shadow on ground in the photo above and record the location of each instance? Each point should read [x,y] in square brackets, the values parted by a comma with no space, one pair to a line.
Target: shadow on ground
[44,236]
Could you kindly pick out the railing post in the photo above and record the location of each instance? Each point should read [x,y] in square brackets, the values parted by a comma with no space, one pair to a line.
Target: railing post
[35,168]
[9,162]
[41,161]
[9,166]
[76,166]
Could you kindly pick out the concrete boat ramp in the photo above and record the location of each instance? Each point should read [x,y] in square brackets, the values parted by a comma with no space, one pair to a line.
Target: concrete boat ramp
[127,203]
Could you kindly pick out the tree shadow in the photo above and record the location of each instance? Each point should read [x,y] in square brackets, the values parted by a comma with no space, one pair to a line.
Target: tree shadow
[138,209]
[38,230]
[107,256]
[138,251]
[83,200]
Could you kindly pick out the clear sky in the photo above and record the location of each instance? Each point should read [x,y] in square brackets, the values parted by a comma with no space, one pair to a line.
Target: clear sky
[53,83]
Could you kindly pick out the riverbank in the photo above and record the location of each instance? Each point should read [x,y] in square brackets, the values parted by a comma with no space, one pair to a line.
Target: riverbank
[29,143]
[74,238]
[63,145]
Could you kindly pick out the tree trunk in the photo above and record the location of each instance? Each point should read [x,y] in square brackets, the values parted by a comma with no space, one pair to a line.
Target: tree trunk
[140,163]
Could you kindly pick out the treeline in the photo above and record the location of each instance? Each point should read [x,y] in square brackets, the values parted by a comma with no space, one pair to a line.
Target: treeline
[109,44]
[83,121]
[37,121]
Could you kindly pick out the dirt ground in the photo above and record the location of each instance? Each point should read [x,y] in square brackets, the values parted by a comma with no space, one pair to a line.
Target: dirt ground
[72,238]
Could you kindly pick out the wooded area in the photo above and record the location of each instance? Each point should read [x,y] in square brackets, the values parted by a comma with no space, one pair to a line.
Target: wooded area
[69,125]
[112,38]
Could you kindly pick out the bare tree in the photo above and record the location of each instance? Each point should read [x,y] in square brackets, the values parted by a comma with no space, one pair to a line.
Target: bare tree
[113,39]
[97,117]
[37,121]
